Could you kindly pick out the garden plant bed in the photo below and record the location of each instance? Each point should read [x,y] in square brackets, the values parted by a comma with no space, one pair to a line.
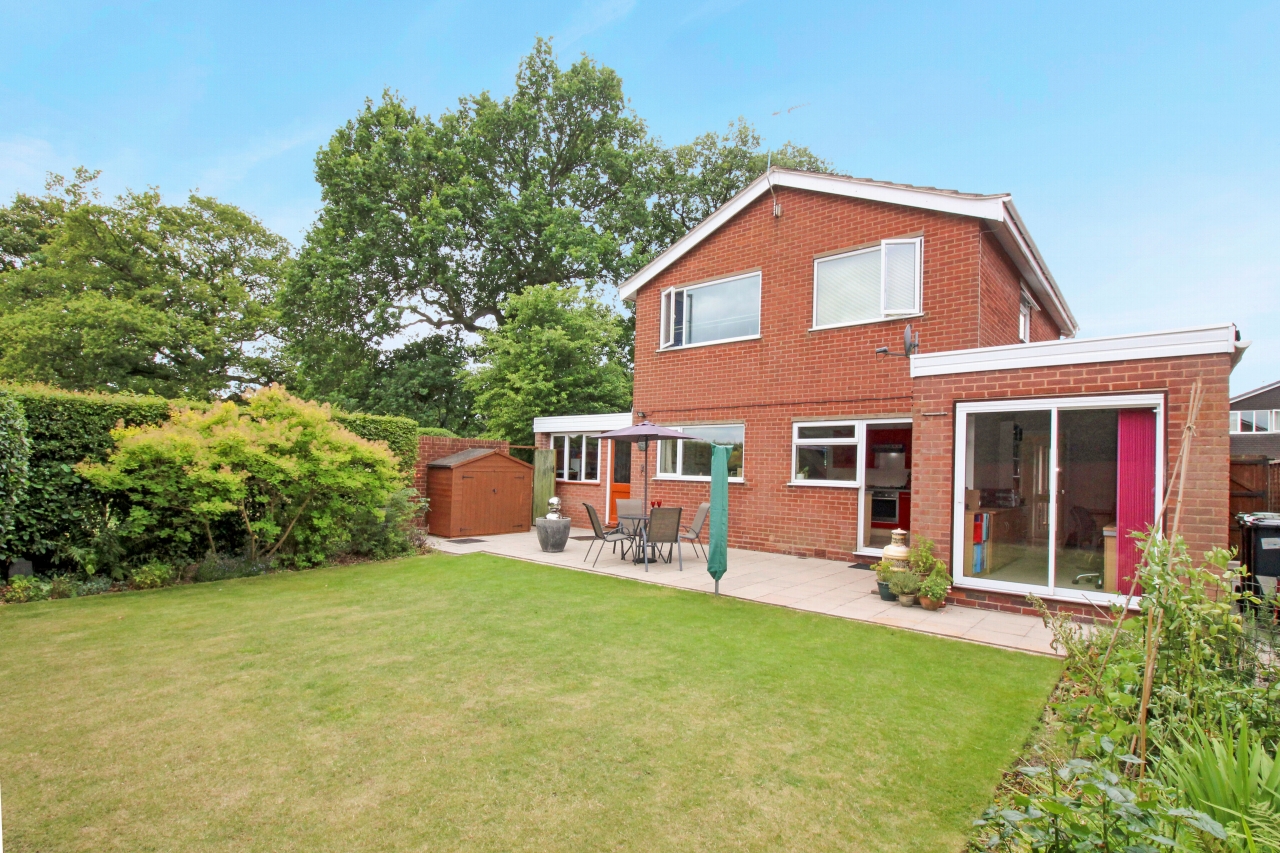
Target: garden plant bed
[480,703]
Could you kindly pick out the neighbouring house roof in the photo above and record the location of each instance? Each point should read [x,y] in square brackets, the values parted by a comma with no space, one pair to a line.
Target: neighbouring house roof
[1200,340]
[453,460]
[998,210]
[582,423]
[1240,398]
[1256,444]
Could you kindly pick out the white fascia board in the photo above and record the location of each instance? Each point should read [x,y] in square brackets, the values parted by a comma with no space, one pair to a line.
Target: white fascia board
[983,207]
[1017,241]
[1201,340]
[582,423]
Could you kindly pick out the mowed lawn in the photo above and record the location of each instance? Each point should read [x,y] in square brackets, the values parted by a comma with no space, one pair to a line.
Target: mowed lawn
[479,703]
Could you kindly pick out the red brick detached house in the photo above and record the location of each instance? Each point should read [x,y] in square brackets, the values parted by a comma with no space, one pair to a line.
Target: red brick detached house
[778,325]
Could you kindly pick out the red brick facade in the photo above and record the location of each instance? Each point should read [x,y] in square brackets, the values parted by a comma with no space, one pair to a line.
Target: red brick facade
[1204,507]
[972,294]
[574,495]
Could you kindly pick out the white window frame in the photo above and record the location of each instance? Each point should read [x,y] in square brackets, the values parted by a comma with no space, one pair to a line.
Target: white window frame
[1024,320]
[697,478]
[1233,421]
[885,314]
[666,334]
[1053,405]
[562,473]
[797,442]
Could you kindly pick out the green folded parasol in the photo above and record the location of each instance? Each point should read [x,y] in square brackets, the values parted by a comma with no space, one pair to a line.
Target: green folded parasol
[718,547]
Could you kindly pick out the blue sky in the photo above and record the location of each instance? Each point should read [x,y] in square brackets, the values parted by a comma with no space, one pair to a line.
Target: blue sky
[1140,141]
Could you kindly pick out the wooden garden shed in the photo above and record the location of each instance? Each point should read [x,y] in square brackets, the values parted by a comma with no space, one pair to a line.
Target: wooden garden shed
[479,492]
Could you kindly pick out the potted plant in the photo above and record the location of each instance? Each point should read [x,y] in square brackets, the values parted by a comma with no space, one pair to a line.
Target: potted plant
[905,585]
[933,590]
[884,571]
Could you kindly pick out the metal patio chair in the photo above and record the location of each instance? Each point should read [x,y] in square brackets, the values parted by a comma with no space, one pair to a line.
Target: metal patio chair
[693,533]
[614,535]
[664,529]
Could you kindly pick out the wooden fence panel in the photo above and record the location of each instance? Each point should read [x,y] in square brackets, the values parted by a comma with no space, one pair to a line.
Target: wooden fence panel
[544,479]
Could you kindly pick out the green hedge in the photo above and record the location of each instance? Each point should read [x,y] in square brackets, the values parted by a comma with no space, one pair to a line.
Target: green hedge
[439,432]
[15,456]
[400,434]
[60,514]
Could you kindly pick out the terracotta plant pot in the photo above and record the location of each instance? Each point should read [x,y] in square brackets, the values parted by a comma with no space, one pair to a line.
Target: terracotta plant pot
[885,593]
[907,600]
[932,603]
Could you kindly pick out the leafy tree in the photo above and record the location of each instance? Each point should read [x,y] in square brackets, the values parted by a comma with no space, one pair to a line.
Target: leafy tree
[423,380]
[434,222]
[691,181]
[280,465]
[561,351]
[136,295]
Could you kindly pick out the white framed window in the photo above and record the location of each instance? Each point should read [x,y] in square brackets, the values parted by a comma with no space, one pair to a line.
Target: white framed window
[727,309]
[1255,420]
[868,285]
[577,457]
[1038,483]
[825,453]
[1024,320]
[691,460]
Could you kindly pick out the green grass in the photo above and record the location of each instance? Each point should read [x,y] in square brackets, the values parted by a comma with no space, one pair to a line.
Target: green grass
[479,703]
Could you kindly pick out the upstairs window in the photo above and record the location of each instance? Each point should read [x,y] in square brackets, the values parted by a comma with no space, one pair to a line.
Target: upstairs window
[1024,320]
[1260,420]
[714,312]
[867,285]
[577,457]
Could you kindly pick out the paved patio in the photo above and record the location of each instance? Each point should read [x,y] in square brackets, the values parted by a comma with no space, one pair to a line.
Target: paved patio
[819,586]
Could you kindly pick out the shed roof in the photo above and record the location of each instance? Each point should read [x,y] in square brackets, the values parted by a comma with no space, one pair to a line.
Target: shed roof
[462,457]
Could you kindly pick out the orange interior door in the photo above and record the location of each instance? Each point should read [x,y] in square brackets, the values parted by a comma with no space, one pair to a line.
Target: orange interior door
[621,474]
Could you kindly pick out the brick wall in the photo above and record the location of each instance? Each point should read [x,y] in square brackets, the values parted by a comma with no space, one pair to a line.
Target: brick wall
[1205,510]
[1001,301]
[433,447]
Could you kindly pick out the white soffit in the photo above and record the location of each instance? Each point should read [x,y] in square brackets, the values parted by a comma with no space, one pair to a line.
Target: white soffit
[1201,340]
[997,209]
[582,423]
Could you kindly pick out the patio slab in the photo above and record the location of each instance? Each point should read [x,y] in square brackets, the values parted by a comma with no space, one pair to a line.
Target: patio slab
[829,587]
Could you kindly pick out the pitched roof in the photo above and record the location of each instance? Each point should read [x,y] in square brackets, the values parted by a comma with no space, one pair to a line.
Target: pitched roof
[1247,394]
[469,455]
[998,210]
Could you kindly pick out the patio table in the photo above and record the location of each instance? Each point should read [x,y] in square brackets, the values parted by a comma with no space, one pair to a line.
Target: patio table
[638,527]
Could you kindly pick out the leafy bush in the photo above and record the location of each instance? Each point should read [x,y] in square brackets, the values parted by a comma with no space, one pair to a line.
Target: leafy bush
[440,432]
[904,583]
[390,534]
[400,434]
[884,571]
[26,588]
[152,575]
[222,568]
[61,515]
[63,586]
[936,585]
[95,585]
[922,560]
[282,470]
[15,453]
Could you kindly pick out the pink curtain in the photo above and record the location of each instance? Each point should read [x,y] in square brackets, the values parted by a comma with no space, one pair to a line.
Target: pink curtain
[1135,490]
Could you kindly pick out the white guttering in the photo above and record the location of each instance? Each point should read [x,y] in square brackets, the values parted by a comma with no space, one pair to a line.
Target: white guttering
[582,423]
[1201,340]
[998,209]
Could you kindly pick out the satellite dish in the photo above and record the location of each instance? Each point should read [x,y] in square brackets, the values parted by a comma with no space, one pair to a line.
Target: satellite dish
[906,341]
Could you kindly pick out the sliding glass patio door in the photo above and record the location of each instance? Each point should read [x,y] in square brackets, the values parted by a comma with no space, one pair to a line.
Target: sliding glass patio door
[1049,493]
